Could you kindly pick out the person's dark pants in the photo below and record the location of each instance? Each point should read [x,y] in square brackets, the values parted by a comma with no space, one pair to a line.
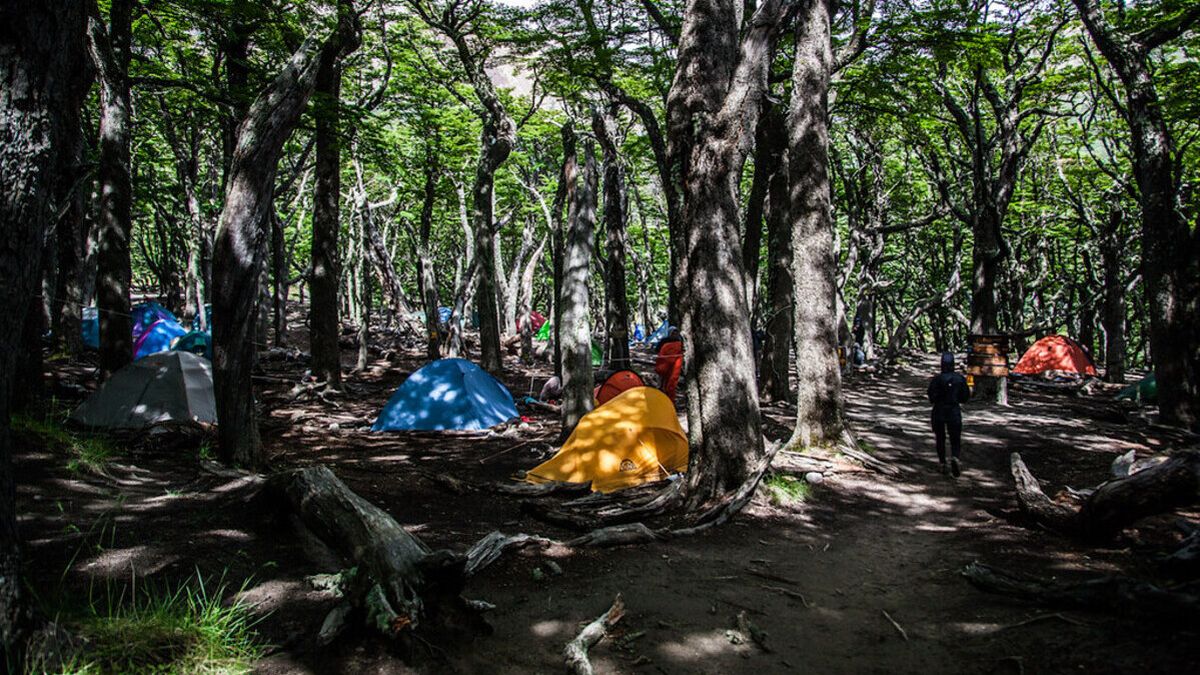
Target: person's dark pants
[947,422]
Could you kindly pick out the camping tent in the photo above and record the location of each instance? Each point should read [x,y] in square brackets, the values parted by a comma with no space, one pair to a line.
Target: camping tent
[1055,354]
[597,354]
[633,439]
[616,384]
[661,332]
[167,387]
[1144,390]
[444,314]
[537,320]
[197,342]
[639,332]
[447,394]
[145,314]
[157,338]
[91,327]
[543,333]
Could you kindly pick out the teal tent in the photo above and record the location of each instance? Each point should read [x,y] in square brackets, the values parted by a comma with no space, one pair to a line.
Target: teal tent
[1144,390]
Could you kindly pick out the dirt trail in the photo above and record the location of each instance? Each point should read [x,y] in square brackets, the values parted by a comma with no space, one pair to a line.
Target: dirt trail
[861,546]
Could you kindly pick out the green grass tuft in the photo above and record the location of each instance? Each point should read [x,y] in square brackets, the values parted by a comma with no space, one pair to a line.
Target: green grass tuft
[784,489]
[84,453]
[187,630]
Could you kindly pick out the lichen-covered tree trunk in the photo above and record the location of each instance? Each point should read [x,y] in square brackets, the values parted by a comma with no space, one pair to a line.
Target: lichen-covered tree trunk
[1113,312]
[712,112]
[110,50]
[575,300]
[616,214]
[239,250]
[819,381]
[41,53]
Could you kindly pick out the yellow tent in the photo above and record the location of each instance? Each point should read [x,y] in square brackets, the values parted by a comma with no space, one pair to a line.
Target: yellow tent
[635,438]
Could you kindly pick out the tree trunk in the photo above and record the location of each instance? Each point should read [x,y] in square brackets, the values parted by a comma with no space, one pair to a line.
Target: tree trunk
[616,214]
[325,326]
[712,111]
[819,382]
[403,585]
[237,252]
[426,279]
[41,59]
[72,186]
[568,180]
[1170,250]
[776,365]
[526,308]
[1113,316]
[766,164]
[575,303]
[111,53]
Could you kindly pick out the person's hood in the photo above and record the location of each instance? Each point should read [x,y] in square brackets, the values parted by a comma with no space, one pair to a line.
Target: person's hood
[947,362]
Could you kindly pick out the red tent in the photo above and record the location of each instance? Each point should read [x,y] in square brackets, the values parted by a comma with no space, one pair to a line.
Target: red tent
[617,383]
[536,320]
[1058,354]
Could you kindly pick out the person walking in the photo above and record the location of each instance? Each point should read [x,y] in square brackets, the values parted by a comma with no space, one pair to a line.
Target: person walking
[947,390]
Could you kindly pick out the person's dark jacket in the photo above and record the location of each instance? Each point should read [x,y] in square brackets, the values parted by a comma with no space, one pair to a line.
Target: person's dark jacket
[946,391]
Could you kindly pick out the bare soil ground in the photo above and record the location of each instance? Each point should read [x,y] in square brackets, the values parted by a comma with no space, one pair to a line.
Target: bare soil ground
[860,546]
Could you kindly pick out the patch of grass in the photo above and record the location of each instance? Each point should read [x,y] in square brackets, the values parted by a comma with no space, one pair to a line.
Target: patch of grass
[84,453]
[187,629]
[784,489]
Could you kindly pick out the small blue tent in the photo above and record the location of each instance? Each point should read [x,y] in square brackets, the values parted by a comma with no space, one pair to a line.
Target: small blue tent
[157,338]
[658,335]
[444,314]
[447,394]
[91,327]
[197,342]
[639,332]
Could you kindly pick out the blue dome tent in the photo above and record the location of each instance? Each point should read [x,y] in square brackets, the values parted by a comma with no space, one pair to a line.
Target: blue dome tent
[145,314]
[447,394]
[444,314]
[159,337]
[658,335]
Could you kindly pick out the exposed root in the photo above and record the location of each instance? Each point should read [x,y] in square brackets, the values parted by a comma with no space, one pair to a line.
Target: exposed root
[575,654]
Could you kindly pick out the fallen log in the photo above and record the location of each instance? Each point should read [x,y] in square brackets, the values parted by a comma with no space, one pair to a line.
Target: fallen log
[401,584]
[1109,592]
[1117,504]
[575,654]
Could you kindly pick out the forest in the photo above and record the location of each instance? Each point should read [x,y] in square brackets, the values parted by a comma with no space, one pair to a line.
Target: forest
[599,335]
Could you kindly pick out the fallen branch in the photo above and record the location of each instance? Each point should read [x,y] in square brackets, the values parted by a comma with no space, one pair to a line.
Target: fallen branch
[797,595]
[1109,592]
[899,628]
[1117,504]
[493,545]
[575,654]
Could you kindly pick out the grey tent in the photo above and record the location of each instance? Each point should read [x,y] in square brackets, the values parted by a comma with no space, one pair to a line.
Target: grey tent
[163,387]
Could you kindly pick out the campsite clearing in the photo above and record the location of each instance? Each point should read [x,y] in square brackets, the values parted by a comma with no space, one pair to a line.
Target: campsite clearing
[832,580]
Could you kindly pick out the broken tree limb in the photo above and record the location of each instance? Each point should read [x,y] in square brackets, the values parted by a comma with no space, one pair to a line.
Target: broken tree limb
[493,545]
[575,654]
[618,535]
[401,582]
[1109,592]
[1117,504]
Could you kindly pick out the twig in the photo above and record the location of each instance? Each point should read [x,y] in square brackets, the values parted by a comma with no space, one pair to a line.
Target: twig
[1044,617]
[903,633]
[771,576]
[506,450]
[790,593]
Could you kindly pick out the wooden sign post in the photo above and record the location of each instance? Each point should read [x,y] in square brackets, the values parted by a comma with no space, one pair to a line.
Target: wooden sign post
[987,365]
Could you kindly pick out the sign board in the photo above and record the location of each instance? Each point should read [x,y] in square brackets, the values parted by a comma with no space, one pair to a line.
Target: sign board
[988,356]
